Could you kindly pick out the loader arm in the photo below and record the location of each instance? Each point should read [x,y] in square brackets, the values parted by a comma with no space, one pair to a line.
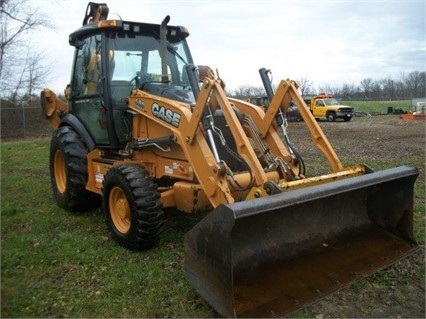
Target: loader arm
[286,92]
[318,137]
[243,145]
[212,93]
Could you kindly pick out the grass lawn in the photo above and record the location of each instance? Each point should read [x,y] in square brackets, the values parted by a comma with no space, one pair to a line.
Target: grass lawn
[378,106]
[60,264]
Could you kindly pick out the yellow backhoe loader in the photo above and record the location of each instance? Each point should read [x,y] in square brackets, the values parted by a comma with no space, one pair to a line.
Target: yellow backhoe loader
[146,129]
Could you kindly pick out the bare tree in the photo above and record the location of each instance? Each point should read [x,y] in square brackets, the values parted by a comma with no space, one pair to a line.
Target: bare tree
[36,73]
[388,88]
[247,91]
[348,90]
[366,87]
[376,90]
[334,90]
[305,86]
[18,20]
[400,89]
[416,82]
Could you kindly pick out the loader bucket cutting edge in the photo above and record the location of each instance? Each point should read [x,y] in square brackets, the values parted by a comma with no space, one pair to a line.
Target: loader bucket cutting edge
[274,255]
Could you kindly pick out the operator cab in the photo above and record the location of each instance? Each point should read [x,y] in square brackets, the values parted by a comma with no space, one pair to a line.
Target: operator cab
[112,58]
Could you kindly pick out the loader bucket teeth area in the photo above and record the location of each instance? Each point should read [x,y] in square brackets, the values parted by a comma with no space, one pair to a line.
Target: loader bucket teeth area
[274,255]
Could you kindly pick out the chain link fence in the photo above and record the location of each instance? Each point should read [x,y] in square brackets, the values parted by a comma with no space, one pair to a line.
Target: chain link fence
[25,122]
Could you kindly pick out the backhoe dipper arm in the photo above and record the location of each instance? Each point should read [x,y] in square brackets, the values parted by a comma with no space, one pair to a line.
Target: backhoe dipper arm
[95,12]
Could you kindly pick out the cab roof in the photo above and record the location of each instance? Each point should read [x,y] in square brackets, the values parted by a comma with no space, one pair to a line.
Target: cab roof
[174,33]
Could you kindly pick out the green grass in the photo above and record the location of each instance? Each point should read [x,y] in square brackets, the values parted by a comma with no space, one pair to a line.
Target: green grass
[378,106]
[60,264]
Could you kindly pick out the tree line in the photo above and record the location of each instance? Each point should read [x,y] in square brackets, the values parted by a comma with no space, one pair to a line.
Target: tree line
[407,86]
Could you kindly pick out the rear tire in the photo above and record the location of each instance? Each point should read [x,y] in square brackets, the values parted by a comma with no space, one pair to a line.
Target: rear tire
[68,171]
[132,206]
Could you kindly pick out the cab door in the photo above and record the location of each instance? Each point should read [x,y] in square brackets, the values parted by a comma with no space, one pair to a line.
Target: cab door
[86,90]
[319,108]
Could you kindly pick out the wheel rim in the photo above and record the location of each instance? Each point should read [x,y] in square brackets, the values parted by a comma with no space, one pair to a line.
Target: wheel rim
[60,171]
[119,210]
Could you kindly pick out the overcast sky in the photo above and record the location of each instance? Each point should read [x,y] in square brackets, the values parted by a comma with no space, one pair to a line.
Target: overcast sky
[326,42]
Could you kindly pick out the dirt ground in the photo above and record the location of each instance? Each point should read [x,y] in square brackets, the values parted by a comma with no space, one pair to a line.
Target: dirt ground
[399,291]
[367,139]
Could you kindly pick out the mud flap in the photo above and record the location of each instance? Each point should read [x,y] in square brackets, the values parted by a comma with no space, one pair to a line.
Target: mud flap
[274,255]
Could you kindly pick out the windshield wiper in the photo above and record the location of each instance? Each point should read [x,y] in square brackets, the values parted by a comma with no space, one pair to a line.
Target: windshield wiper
[171,49]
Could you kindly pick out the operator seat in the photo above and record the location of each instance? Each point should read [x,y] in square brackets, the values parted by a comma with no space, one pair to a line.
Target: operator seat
[120,91]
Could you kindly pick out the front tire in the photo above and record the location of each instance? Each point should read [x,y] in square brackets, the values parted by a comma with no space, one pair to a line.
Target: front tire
[331,116]
[132,206]
[68,171]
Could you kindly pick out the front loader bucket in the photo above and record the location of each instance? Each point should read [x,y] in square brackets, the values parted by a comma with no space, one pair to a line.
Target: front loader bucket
[273,255]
